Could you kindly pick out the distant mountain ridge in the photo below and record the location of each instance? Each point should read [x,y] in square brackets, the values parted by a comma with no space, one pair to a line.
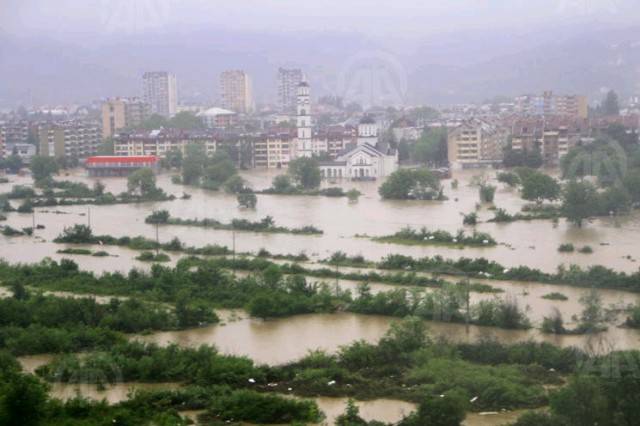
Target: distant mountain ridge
[459,67]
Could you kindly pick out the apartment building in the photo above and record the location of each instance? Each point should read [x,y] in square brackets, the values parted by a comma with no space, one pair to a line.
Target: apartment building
[16,131]
[548,104]
[288,81]
[553,136]
[120,113]
[160,92]
[72,139]
[273,149]
[236,92]
[159,142]
[475,143]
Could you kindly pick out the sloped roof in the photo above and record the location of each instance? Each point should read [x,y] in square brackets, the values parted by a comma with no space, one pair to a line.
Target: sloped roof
[212,112]
[351,150]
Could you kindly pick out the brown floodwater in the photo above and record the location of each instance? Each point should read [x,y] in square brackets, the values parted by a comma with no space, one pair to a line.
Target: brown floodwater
[30,363]
[113,393]
[280,341]
[385,410]
[392,411]
[534,244]
[531,243]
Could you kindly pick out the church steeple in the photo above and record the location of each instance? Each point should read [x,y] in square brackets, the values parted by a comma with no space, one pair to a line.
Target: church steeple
[303,119]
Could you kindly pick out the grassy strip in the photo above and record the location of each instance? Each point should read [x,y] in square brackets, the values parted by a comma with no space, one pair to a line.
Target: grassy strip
[278,291]
[423,236]
[265,225]
[406,364]
[594,276]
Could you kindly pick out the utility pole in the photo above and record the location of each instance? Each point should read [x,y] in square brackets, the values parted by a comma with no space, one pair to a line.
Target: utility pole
[233,237]
[468,285]
[157,240]
[33,222]
[89,217]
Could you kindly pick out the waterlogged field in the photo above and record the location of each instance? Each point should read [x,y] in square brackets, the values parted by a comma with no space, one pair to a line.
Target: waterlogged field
[532,243]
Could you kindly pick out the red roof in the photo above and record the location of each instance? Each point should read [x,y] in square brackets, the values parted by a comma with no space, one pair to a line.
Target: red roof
[122,159]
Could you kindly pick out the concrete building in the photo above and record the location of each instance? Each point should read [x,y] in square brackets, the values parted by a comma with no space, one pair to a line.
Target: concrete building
[549,104]
[236,91]
[552,136]
[476,143]
[159,142]
[217,118]
[360,162]
[17,131]
[160,92]
[367,131]
[365,158]
[25,151]
[273,149]
[119,166]
[119,113]
[288,81]
[72,139]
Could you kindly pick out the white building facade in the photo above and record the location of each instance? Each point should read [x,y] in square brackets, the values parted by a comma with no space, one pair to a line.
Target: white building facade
[161,93]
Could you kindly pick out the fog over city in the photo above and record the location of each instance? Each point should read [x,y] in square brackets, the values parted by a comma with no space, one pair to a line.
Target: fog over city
[326,213]
[94,48]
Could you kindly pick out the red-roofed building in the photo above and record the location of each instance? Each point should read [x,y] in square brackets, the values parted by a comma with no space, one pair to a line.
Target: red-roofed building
[119,165]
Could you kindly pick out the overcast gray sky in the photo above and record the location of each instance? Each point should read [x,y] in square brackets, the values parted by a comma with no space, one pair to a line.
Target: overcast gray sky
[78,18]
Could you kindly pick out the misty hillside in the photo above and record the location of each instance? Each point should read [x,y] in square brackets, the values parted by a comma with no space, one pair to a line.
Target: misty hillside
[451,68]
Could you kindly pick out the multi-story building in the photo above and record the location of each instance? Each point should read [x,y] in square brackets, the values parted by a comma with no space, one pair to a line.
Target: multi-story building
[159,142]
[16,131]
[549,104]
[235,90]
[273,149]
[475,143]
[18,137]
[288,81]
[160,91]
[552,136]
[217,118]
[72,139]
[120,113]
[368,131]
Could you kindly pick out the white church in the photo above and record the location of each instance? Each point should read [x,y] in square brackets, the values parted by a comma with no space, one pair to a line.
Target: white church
[361,159]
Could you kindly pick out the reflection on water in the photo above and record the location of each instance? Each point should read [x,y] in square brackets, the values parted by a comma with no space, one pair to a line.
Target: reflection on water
[392,411]
[285,340]
[111,393]
[384,410]
[532,243]
[30,363]
[282,340]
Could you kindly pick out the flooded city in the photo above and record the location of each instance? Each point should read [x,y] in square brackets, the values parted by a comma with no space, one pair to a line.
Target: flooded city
[286,340]
[336,213]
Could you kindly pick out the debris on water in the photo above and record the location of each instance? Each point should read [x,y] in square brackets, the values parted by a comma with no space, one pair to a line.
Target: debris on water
[331,383]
